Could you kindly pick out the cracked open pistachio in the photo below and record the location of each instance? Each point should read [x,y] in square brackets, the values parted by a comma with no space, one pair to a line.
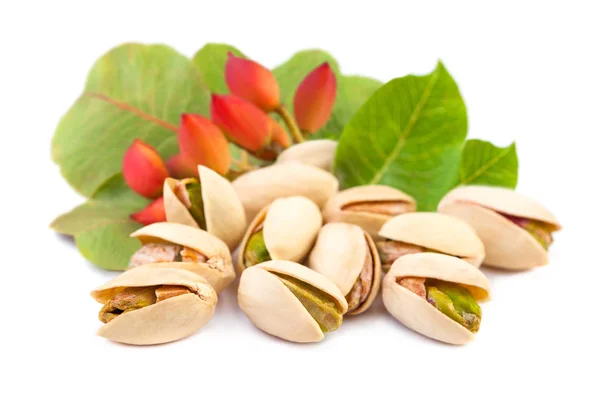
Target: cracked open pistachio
[368,206]
[260,187]
[284,230]
[290,301]
[186,248]
[347,255]
[209,203]
[436,295]
[421,232]
[516,230]
[145,306]
[318,153]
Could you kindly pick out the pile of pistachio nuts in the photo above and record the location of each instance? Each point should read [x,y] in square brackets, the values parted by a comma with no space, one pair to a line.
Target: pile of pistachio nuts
[308,255]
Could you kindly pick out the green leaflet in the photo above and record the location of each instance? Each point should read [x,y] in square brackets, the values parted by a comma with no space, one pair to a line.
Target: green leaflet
[133,91]
[409,134]
[485,164]
[102,226]
[211,60]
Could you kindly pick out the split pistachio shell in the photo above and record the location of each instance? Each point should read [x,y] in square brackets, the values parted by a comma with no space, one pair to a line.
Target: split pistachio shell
[165,321]
[218,270]
[415,312]
[439,232]
[223,211]
[258,188]
[336,209]
[507,245]
[318,153]
[340,253]
[273,308]
[290,226]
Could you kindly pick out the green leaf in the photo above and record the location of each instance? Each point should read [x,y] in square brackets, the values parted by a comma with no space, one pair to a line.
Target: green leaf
[485,164]
[101,225]
[409,135]
[211,60]
[133,91]
[352,91]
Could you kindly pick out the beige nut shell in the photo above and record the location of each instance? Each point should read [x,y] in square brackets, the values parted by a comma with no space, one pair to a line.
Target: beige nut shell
[258,188]
[290,226]
[223,210]
[435,231]
[415,312]
[318,153]
[166,321]
[507,245]
[273,308]
[339,254]
[370,222]
[196,239]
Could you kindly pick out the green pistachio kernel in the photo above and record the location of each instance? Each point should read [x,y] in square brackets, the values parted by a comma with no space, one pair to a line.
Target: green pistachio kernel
[320,305]
[128,300]
[256,250]
[194,190]
[540,231]
[456,302]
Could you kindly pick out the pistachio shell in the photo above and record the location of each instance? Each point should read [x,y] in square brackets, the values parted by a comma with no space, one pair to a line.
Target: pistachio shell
[415,312]
[503,200]
[223,210]
[166,321]
[318,153]
[272,307]
[258,188]
[339,254]
[370,222]
[290,226]
[198,240]
[439,232]
[507,245]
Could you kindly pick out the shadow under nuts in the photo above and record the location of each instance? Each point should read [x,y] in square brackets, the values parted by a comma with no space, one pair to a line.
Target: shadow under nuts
[436,295]
[347,255]
[428,232]
[283,230]
[368,206]
[516,230]
[186,248]
[144,306]
[290,301]
[209,203]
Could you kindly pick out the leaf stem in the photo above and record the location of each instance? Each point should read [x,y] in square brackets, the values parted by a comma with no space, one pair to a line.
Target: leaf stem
[291,124]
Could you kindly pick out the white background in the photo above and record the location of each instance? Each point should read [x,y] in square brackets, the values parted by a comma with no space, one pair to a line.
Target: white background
[528,72]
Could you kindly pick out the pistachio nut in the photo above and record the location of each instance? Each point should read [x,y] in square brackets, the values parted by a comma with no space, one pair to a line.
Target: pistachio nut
[431,232]
[154,305]
[290,301]
[347,255]
[318,153]
[436,295]
[284,230]
[186,248]
[260,187]
[516,230]
[209,203]
[368,206]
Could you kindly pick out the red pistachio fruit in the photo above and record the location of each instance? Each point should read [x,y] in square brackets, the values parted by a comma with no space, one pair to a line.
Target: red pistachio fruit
[244,123]
[315,98]
[144,170]
[251,81]
[202,142]
[180,167]
[154,212]
[279,135]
